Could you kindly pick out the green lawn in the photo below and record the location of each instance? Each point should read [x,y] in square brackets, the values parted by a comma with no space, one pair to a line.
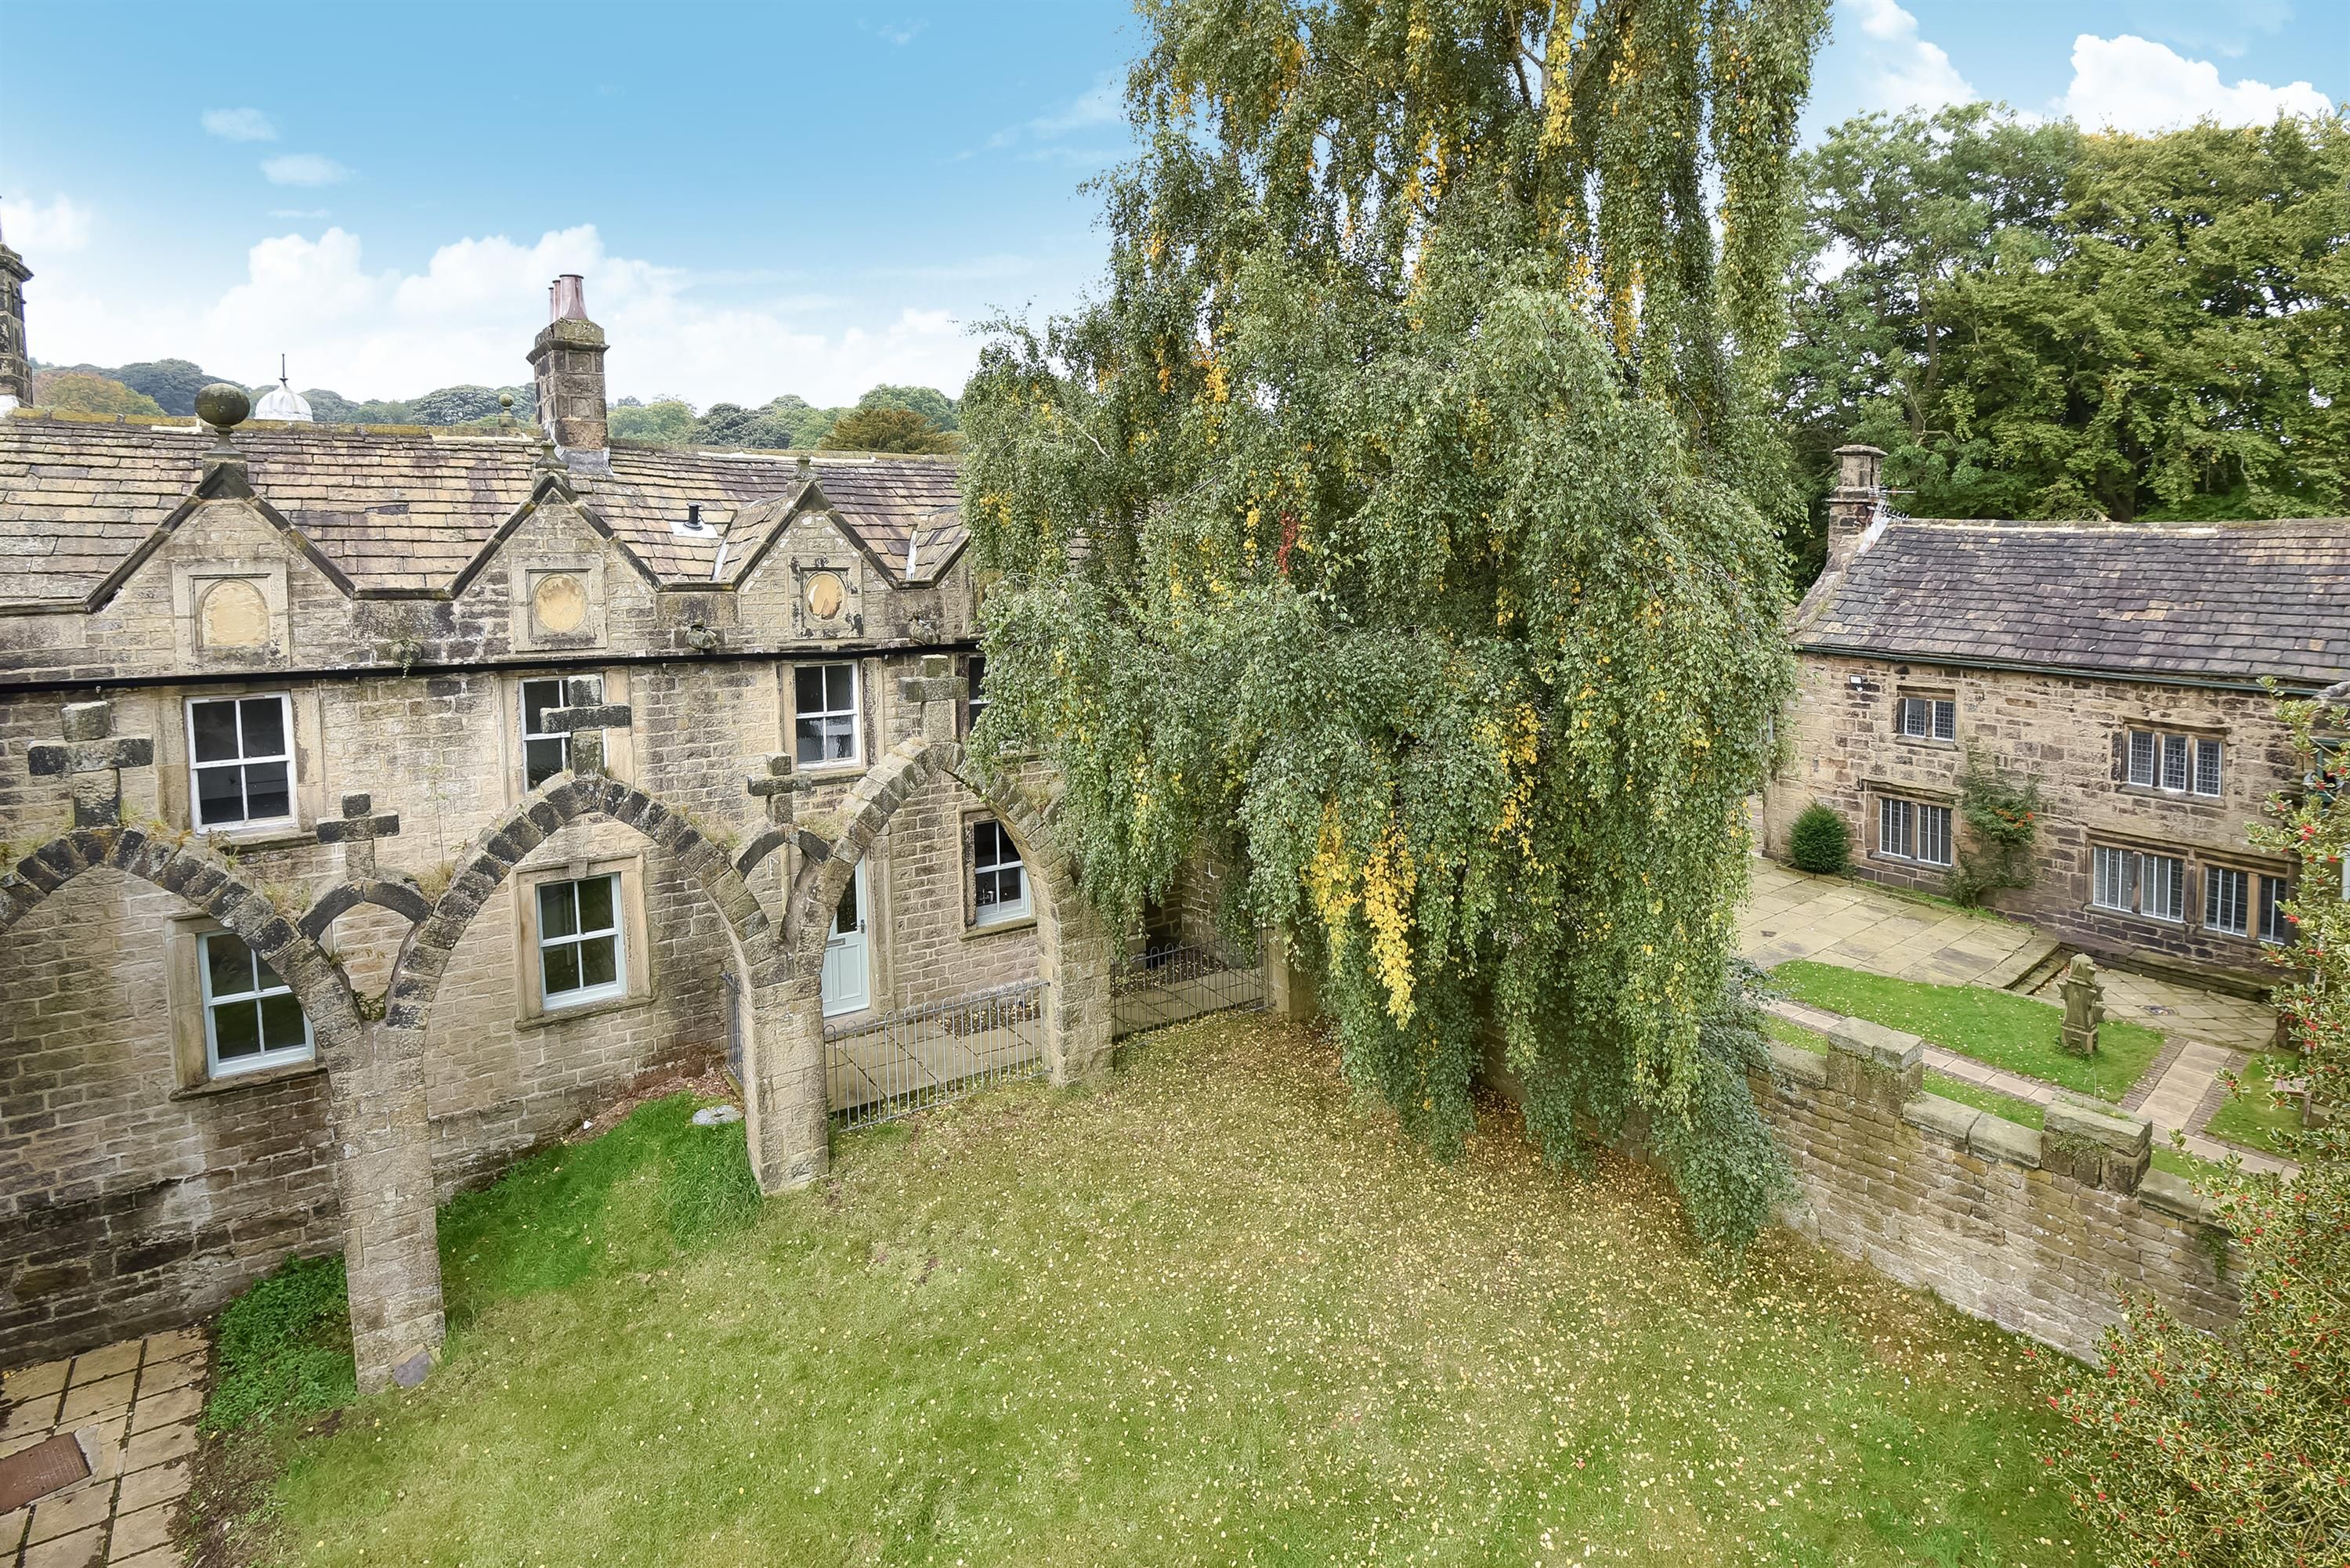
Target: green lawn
[2016,1033]
[1209,1311]
[2250,1116]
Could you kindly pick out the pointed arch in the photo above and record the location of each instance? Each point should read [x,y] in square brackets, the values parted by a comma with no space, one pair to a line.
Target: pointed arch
[554,805]
[383,1168]
[1073,949]
[206,882]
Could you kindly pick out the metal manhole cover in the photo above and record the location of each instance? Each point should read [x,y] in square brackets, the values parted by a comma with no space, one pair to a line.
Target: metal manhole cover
[35,1472]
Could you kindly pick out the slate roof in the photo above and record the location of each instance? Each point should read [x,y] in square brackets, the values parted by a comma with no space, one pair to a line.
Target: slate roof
[2224,601]
[407,510]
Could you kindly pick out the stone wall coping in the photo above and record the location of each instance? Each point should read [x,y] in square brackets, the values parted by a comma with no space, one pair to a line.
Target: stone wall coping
[1892,1050]
[2110,1128]
[2177,1195]
[1996,1137]
[1947,1117]
[1803,1066]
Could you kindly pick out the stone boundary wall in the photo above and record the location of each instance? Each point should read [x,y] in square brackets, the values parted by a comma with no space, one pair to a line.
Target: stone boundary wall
[2038,1231]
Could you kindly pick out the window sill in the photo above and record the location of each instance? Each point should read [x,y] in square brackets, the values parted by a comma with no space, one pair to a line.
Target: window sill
[279,835]
[997,927]
[2165,921]
[222,1084]
[828,773]
[2177,797]
[546,1016]
[1935,741]
[1914,864]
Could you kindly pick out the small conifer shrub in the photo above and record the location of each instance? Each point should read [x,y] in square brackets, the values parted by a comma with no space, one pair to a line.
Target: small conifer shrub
[1820,841]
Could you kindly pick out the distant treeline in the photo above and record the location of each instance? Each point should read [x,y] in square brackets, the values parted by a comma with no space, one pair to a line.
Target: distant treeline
[885,418]
[2038,322]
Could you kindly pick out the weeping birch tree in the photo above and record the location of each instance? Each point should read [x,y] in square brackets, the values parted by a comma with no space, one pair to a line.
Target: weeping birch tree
[1400,524]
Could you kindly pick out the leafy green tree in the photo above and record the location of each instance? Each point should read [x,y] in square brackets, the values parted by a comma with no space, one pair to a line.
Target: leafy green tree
[730,424]
[454,406]
[87,392]
[667,423]
[1899,209]
[928,402]
[329,408]
[2185,1447]
[2038,323]
[1402,524]
[887,428]
[171,383]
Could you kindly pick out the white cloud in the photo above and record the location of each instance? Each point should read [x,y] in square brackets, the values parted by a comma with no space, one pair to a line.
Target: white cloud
[303,169]
[2129,83]
[471,313]
[239,125]
[1896,68]
[1100,104]
[33,229]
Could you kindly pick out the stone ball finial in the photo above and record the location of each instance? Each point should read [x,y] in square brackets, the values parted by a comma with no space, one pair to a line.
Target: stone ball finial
[505,401]
[223,405]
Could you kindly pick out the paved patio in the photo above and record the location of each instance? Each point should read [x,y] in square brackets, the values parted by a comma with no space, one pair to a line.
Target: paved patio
[1833,920]
[134,1404]
[1793,915]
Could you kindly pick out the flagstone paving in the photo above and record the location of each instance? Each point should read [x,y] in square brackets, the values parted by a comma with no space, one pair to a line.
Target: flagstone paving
[1792,914]
[134,1404]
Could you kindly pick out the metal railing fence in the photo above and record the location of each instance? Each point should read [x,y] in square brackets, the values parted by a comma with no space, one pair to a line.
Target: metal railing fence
[1153,989]
[881,1068]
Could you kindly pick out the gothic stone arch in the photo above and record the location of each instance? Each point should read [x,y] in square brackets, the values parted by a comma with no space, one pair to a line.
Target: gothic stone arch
[1073,947]
[383,1176]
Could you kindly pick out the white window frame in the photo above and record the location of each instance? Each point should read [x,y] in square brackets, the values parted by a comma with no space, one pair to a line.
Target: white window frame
[196,770]
[2215,753]
[853,713]
[2217,881]
[554,1001]
[2113,879]
[1929,718]
[1910,830]
[2272,891]
[2145,875]
[559,739]
[214,1066]
[2171,762]
[1002,911]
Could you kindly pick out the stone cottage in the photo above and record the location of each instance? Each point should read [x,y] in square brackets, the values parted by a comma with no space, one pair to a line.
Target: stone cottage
[2117,668]
[373,801]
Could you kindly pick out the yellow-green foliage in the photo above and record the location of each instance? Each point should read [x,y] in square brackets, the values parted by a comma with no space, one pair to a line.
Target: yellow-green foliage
[1402,529]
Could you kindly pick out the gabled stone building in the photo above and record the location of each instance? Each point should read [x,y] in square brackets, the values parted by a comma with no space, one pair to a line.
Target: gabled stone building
[374,800]
[2118,666]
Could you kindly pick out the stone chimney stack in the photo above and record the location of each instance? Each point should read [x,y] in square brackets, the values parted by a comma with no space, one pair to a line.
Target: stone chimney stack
[567,363]
[15,369]
[1855,502]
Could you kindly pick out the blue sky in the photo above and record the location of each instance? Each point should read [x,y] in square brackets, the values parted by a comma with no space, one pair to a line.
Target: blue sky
[765,198]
